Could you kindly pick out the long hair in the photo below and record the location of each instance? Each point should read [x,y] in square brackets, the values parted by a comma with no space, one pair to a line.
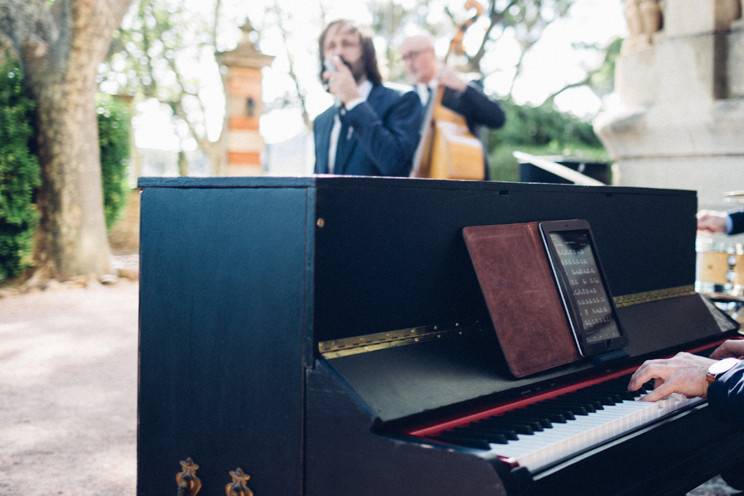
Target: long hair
[369,55]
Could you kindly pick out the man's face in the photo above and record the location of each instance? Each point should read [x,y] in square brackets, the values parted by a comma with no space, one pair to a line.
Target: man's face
[344,41]
[420,60]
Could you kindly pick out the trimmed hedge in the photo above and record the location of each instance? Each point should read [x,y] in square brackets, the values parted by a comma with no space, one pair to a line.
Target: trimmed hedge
[113,137]
[540,130]
[19,173]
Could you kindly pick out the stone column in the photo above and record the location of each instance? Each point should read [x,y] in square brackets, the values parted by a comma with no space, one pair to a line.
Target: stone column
[678,120]
[241,70]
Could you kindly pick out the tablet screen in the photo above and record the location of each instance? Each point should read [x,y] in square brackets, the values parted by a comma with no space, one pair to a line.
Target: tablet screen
[587,292]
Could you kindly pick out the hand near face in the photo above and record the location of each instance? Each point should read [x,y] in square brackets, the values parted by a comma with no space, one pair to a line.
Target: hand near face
[341,82]
[450,79]
[684,373]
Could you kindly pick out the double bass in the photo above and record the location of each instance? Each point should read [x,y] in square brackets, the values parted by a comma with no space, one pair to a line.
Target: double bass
[448,150]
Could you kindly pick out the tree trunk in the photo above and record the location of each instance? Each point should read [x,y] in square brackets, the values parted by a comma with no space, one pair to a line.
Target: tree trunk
[72,233]
[183,163]
[217,156]
[72,237]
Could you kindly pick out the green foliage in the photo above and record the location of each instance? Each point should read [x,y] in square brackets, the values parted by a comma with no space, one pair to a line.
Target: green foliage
[602,80]
[540,130]
[19,173]
[113,137]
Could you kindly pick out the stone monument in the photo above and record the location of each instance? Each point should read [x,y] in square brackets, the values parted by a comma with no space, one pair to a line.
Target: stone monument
[241,72]
[678,116]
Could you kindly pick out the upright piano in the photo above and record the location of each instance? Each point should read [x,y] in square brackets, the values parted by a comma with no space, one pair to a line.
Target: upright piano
[328,336]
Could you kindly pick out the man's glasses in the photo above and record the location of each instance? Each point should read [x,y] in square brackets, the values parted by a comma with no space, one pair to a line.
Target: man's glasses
[412,54]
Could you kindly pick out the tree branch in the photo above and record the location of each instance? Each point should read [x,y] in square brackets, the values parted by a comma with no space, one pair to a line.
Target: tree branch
[495,18]
[550,98]
[28,25]
[518,66]
[216,22]
[292,72]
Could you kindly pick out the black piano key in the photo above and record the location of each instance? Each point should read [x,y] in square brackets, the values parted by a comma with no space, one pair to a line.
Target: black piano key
[520,427]
[541,415]
[574,407]
[590,404]
[612,398]
[462,440]
[517,418]
[554,412]
[553,416]
[486,435]
[523,416]
[494,430]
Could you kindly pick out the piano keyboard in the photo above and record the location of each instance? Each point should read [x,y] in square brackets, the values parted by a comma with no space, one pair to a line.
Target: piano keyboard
[547,432]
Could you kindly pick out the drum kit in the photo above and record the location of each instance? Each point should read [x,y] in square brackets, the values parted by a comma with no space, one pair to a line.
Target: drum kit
[720,268]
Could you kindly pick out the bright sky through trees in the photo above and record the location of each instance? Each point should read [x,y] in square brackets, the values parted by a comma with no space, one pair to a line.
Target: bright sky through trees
[550,65]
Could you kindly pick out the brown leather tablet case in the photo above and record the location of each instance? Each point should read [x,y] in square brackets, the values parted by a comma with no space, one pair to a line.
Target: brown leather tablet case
[522,297]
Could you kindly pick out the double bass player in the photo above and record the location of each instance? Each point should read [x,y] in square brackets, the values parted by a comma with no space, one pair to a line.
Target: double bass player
[465,99]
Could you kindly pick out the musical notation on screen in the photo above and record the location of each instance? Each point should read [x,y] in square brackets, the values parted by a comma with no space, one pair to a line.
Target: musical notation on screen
[589,295]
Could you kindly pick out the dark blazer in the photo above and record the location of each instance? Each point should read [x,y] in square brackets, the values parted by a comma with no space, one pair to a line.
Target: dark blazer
[475,106]
[478,110]
[385,133]
[726,394]
[737,222]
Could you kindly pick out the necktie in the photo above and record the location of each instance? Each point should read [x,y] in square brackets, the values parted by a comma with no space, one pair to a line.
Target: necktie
[341,147]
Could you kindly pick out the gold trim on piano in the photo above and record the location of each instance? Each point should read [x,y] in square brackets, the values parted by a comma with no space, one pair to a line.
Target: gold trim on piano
[355,345]
[655,295]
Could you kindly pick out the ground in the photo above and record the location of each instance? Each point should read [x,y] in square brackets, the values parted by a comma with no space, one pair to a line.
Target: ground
[68,391]
[68,414]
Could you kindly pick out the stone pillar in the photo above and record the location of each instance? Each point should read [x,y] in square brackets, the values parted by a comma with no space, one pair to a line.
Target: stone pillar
[678,120]
[241,71]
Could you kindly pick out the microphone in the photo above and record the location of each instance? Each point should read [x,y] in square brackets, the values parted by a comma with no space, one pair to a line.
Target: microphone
[328,66]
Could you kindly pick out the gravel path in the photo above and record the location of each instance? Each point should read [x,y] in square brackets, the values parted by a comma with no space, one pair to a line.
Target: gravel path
[68,391]
[68,358]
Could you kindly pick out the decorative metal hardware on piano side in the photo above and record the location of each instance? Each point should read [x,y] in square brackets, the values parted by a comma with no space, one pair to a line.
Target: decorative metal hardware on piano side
[390,339]
[239,484]
[187,481]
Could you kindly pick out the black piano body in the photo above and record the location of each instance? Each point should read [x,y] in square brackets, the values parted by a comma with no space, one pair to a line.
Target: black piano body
[302,328]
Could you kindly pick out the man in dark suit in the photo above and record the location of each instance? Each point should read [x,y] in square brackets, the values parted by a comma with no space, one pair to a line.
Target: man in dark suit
[721,222]
[720,378]
[371,130]
[466,99]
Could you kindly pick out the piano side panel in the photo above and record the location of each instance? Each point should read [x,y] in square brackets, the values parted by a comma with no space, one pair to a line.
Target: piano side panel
[391,254]
[223,323]
[345,458]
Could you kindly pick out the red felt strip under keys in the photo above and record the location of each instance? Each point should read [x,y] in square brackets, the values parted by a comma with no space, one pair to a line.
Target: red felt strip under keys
[515,405]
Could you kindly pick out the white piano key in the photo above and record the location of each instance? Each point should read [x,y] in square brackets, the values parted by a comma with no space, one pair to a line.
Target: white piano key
[562,440]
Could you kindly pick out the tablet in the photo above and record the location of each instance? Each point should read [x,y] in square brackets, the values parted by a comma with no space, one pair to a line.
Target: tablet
[578,274]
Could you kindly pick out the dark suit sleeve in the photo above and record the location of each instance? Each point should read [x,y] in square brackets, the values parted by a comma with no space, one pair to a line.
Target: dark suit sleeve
[475,106]
[737,222]
[389,142]
[726,394]
[318,146]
